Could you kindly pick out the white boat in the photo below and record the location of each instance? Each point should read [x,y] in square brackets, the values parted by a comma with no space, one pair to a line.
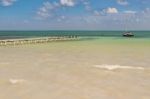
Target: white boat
[128,34]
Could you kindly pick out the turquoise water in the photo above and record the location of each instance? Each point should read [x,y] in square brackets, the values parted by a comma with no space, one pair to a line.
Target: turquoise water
[22,34]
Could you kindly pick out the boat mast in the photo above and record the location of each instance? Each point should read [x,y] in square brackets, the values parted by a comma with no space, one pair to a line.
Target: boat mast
[125,23]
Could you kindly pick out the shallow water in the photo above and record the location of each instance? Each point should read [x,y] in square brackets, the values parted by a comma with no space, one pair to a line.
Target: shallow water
[99,68]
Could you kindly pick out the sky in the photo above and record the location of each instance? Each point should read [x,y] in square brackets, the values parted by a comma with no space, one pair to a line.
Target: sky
[74,14]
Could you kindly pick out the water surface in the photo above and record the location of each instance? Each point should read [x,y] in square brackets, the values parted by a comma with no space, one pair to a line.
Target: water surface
[77,69]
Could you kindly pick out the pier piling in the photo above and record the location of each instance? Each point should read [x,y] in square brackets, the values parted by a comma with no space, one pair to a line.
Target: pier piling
[35,40]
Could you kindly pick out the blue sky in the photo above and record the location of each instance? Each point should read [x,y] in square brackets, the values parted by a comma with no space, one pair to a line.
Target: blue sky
[74,14]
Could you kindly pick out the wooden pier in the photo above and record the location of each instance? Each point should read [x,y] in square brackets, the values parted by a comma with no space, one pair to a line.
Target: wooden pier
[14,42]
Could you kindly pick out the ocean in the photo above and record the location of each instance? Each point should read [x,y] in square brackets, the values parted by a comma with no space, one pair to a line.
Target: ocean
[100,65]
[25,34]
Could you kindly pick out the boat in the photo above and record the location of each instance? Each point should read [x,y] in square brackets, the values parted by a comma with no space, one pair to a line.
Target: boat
[128,34]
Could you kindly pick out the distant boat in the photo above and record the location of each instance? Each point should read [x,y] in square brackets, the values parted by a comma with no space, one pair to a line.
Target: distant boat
[128,34]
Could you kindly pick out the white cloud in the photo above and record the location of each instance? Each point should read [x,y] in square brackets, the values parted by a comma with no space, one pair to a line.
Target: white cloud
[67,2]
[122,2]
[111,10]
[97,13]
[46,10]
[87,5]
[49,9]
[7,2]
[130,12]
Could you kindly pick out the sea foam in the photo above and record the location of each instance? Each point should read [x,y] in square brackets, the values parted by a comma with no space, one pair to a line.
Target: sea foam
[114,67]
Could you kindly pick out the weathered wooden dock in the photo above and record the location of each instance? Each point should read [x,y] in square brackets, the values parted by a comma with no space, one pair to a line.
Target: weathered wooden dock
[14,42]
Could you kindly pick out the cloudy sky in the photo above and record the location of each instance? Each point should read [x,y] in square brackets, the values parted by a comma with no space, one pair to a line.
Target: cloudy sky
[74,14]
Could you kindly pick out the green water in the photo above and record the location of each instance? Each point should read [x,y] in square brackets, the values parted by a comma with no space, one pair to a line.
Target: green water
[22,34]
[118,50]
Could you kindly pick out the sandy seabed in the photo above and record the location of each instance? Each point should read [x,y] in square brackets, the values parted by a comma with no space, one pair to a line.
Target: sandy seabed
[75,70]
